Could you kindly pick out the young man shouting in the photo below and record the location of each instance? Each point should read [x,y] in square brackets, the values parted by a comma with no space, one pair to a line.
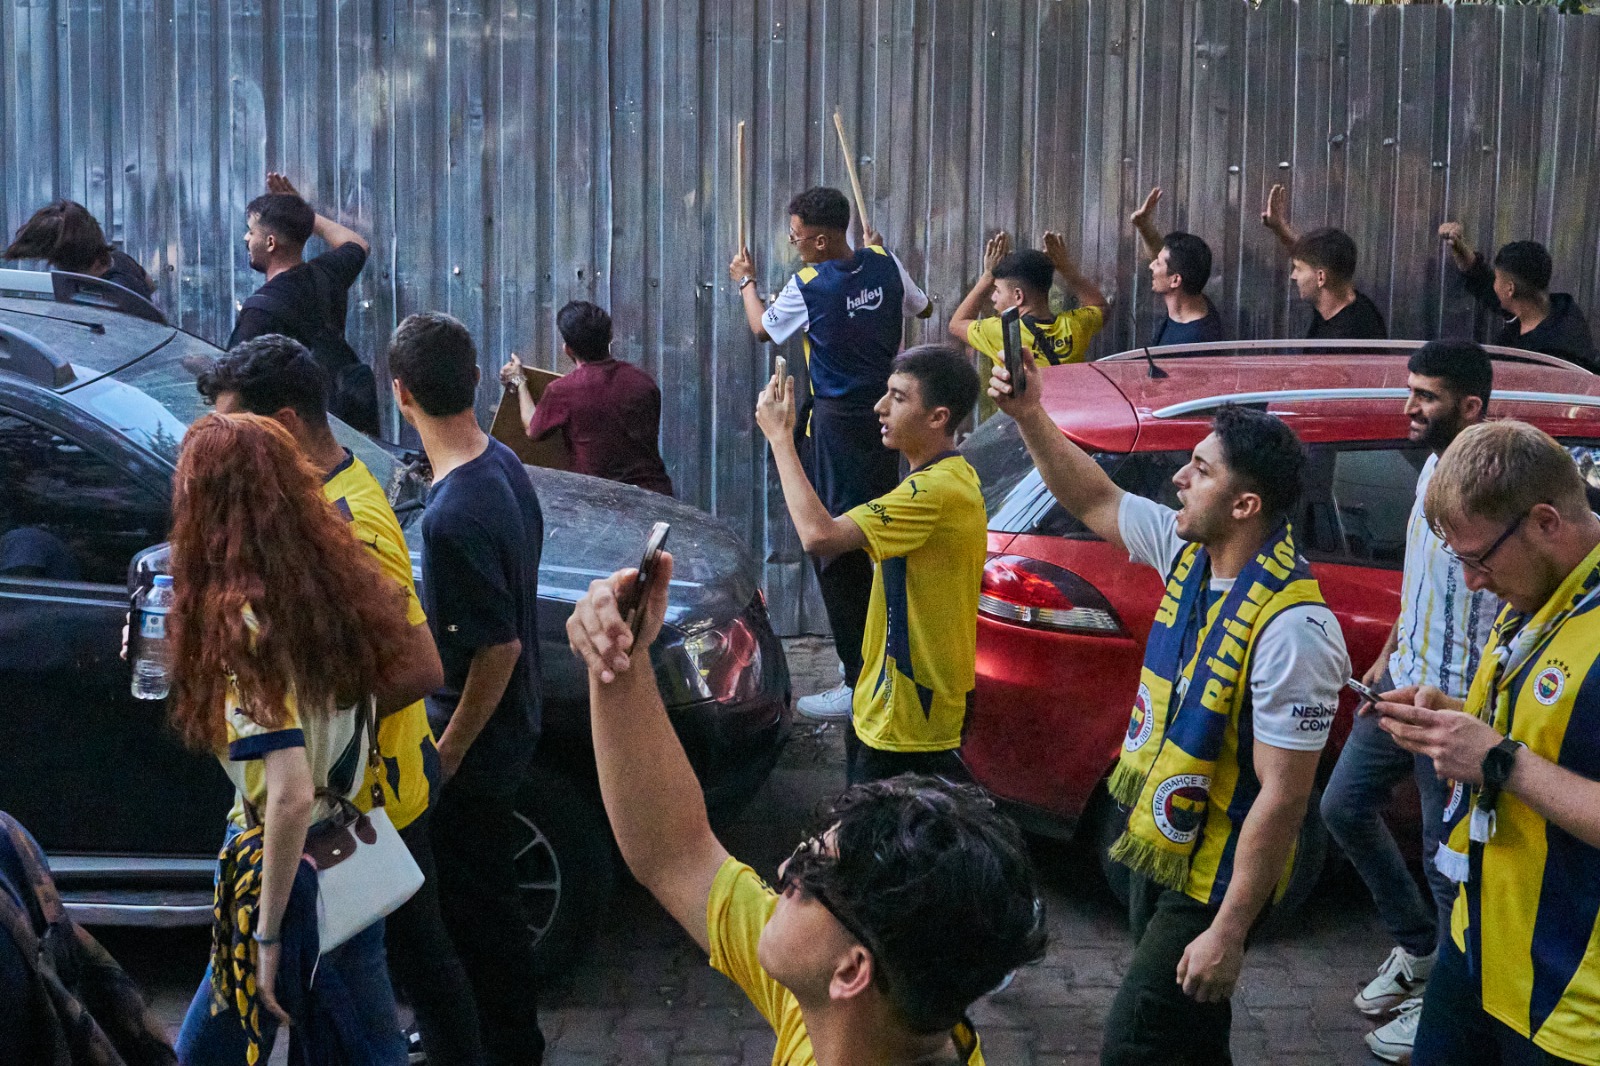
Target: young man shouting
[1241,675]
[928,537]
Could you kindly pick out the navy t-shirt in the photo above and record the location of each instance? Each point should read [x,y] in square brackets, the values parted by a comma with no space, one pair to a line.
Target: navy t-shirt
[1204,330]
[1360,320]
[482,534]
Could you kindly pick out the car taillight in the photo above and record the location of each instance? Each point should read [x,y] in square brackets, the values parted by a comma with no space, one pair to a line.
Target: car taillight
[726,662]
[1045,596]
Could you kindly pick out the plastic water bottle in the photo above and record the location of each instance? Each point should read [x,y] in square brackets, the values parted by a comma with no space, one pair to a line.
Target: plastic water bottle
[151,669]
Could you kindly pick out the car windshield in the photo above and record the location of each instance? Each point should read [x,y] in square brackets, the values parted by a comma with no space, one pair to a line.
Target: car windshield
[1017,500]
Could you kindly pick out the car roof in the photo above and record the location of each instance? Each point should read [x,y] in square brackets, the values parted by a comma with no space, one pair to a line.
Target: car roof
[95,340]
[1114,404]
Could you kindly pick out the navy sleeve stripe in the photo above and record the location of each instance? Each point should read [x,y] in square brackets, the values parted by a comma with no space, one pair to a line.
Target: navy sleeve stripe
[257,745]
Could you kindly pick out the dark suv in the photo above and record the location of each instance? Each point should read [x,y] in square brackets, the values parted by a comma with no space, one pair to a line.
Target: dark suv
[96,390]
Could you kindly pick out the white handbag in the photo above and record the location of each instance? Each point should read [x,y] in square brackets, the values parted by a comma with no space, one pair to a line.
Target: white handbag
[364,870]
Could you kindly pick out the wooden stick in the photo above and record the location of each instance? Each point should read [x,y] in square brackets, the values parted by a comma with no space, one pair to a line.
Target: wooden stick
[738,182]
[855,179]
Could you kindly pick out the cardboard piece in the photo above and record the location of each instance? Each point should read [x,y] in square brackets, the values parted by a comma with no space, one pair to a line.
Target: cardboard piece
[509,430]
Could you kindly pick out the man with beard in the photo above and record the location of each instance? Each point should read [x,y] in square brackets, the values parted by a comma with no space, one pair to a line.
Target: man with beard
[1241,676]
[1437,640]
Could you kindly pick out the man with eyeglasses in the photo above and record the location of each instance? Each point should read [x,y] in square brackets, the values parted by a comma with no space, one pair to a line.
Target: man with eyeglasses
[914,899]
[849,304]
[1518,978]
[1437,640]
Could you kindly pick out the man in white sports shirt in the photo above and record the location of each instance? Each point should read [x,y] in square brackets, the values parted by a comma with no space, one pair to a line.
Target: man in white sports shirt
[1437,639]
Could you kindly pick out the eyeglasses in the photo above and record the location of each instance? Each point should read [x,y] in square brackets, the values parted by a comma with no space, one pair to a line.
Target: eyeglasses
[1480,562]
[800,238]
[803,870]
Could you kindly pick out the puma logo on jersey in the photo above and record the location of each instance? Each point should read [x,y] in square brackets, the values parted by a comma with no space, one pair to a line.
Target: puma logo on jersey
[865,300]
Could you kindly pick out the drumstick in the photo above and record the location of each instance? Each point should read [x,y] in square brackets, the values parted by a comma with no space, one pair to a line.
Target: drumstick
[855,179]
[738,182]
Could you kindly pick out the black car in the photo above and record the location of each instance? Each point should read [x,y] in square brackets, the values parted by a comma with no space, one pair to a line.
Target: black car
[96,391]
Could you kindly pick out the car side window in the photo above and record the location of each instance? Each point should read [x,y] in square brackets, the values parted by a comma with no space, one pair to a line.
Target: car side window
[67,514]
[1358,502]
[1147,474]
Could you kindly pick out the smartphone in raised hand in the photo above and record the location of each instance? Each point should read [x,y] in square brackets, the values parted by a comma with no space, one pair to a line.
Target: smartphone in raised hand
[1011,338]
[633,603]
[780,369]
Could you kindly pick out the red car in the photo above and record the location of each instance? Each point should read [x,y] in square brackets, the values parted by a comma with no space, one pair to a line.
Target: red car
[1063,616]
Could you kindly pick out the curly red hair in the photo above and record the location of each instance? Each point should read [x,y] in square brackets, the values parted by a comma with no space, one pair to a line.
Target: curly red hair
[251,528]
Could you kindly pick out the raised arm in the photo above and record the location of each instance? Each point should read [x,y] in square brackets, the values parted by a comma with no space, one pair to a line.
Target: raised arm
[971,307]
[336,234]
[743,272]
[1144,221]
[1071,473]
[1276,216]
[821,534]
[651,795]
[1086,291]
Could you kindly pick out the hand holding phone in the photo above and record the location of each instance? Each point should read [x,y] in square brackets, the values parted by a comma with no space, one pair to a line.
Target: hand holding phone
[780,370]
[1366,694]
[634,601]
[1011,338]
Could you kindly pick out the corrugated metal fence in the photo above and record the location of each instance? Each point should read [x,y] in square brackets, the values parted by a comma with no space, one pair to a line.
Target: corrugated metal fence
[508,156]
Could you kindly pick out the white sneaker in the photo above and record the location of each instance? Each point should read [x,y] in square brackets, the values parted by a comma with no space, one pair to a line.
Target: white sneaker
[1392,1042]
[830,706]
[1400,978]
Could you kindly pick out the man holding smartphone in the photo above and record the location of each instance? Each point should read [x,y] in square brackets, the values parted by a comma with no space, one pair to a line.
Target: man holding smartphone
[1438,640]
[1242,670]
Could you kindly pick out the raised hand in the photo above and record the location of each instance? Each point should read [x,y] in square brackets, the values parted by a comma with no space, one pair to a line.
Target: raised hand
[994,250]
[1275,217]
[277,184]
[742,266]
[1147,209]
[775,410]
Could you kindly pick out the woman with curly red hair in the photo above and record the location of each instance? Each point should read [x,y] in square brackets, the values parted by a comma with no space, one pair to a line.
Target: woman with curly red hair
[282,626]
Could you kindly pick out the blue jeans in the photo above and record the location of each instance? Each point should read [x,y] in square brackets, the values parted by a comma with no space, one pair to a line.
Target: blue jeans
[1456,1031]
[1369,767]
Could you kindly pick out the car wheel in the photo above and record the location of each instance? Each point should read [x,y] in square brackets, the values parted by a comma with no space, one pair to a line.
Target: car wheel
[1106,823]
[565,866]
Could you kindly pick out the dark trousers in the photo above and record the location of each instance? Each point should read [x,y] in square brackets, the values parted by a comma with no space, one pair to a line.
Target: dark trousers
[1456,1031]
[473,840]
[1152,1023]
[848,466]
[862,763]
[424,963]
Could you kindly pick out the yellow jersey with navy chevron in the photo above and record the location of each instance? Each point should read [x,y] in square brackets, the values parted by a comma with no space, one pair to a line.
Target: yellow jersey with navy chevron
[738,908]
[929,538]
[405,741]
[851,311]
[1528,916]
[1063,339]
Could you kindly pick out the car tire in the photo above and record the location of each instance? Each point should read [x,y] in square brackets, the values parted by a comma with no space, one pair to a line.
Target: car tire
[566,865]
[1106,824]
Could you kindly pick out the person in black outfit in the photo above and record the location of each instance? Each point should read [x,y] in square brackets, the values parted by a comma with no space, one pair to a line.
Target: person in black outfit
[69,238]
[482,534]
[1180,266]
[1324,266]
[1519,285]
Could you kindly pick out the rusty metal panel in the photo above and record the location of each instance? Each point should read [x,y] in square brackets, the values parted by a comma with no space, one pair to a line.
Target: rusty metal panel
[506,156]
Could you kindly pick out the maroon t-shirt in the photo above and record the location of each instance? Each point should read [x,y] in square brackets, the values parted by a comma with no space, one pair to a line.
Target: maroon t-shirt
[609,413]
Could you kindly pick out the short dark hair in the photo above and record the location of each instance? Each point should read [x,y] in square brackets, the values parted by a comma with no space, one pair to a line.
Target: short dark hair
[1463,365]
[1263,451]
[1327,249]
[1528,265]
[822,207]
[62,233]
[587,330]
[1189,257]
[433,356]
[941,885]
[944,376]
[1030,266]
[269,373]
[284,215]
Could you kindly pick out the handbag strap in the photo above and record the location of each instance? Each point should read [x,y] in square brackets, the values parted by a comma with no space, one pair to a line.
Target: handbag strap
[369,722]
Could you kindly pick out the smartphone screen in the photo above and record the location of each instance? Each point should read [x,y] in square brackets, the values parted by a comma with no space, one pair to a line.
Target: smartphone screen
[1011,337]
[633,612]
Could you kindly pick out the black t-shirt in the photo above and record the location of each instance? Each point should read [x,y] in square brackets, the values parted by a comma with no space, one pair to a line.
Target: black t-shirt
[482,534]
[1204,330]
[126,271]
[297,288]
[1360,320]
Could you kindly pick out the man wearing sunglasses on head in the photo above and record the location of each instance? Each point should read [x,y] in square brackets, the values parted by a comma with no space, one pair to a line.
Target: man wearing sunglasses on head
[913,899]
[1518,978]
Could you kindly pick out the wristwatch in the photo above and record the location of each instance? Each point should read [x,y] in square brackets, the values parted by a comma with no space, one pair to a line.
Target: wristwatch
[1497,765]
[746,280]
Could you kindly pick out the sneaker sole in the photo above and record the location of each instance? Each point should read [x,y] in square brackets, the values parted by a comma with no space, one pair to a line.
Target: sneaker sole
[818,716]
[1385,1007]
[1402,1056]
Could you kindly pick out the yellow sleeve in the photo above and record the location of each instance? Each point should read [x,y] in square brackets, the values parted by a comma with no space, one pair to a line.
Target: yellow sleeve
[1086,322]
[393,557]
[983,337]
[248,739]
[736,911]
[899,522]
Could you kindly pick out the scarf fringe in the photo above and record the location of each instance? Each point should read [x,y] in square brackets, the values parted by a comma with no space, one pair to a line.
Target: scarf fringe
[1125,784]
[1453,864]
[1169,869]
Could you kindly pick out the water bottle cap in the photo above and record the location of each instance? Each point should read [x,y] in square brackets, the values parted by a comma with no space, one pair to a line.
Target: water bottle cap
[163,581]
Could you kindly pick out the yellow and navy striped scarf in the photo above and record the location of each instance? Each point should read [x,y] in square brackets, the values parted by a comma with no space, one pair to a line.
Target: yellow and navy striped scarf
[1191,689]
[233,945]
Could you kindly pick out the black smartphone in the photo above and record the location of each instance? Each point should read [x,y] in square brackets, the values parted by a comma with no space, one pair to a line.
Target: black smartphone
[633,608]
[1366,694]
[1011,337]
